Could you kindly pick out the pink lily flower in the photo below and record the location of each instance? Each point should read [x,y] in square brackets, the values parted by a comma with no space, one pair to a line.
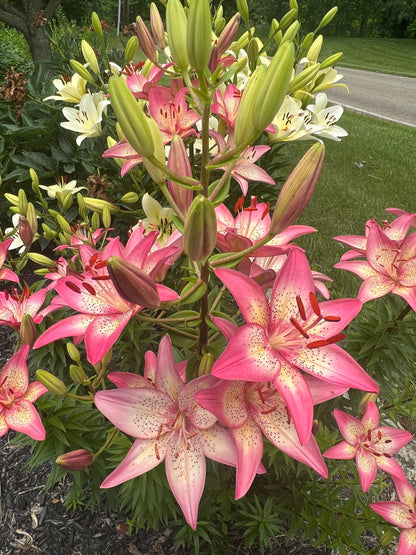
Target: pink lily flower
[389,268]
[138,83]
[168,425]
[291,334]
[5,273]
[15,305]
[401,513]
[171,113]
[124,151]
[102,314]
[226,104]
[245,169]
[253,409]
[17,396]
[372,445]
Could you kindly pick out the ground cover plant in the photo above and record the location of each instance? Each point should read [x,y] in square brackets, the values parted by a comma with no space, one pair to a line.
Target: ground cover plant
[178,344]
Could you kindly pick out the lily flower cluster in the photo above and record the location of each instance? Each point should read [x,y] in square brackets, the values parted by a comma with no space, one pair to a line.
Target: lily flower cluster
[192,120]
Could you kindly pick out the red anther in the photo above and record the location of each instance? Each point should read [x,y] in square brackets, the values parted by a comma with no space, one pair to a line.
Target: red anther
[100,278]
[14,295]
[387,455]
[387,441]
[301,307]
[100,264]
[289,416]
[27,292]
[192,435]
[166,115]
[379,434]
[272,409]
[72,286]
[22,297]
[157,452]
[332,318]
[253,205]
[89,288]
[93,259]
[237,94]
[369,435]
[261,395]
[335,338]
[6,294]
[266,210]
[239,204]
[314,304]
[296,324]
[366,445]
[317,344]
[159,432]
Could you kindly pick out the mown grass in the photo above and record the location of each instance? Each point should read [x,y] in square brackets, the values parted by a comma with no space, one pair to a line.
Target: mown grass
[395,56]
[372,169]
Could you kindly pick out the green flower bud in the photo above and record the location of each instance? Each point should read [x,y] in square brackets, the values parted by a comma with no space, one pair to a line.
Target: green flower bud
[34,177]
[303,78]
[315,49]
[13,199]
[219,24]
[95,223]
[48,232]
[82,71]
[90,57]
[52,383]
[245,132]
[63,224]
[253,53]
[73,352]
[96,25]
[132,119]
[41,259]
[156,24]
[82,210]
[66,199]
[293,5]
[77,374]
[205,364]
[198,34]
[131,49]
[307,41]
[132,283]
[75,460]
[288,19]
[200,231]
[145,40]
[155,173]
[130,198]
[291,32]
[177,26]
[328,17]
[32,217]
[97,205]
[386,538]
[273,89]
[331,60]
[106,217]
[22,202]
[242,8]
[298,189]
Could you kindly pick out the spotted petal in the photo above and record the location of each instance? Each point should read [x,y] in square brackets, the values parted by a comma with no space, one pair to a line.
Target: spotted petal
[249,441]
[395,512]
[24,418]
[15,375]
[367,468]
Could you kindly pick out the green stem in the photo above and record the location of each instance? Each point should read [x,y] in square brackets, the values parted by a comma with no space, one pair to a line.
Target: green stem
[204,176]
[88,398]
[171,201]
[113,434]
[203,311]
[181,180]
[242,254]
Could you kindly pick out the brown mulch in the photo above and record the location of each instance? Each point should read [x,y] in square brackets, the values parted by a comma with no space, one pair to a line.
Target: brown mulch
[33,521]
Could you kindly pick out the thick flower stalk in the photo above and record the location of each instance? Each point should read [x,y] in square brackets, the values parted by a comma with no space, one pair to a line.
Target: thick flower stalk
[372,445]
[168,426]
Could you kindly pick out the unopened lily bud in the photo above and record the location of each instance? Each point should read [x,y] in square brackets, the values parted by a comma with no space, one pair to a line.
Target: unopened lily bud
[364,402]
[82,210]
[219,24]
[307,41]
[331,60]
[274,27]
[77,374]
[90,57]
[73,352]
[200,231]
[63,224]
[96,25]
[13,199]
[303,78]
[242,41]
[95,222]
[41,259]
[97,205]
[178,163]
[106,217]
[130,198]
[177,26]
[298,189]
[253,53]
[48,232]
[34,177]
[315,49]
[66,199]
[198,34]
[80,459]
[245,132]
[315,427]
[205,364]
[131,49]
[328,17]
[27,330]
[242,8]
[25,231]
[131,117]
[273,89]
[82,71]
[52,383]
[156,24]
[155,173]
[22,202]
[145,40]
[32,217]
[387,538]
[132,283]
[228,34]
[293,5]
[288,19]
[291,32]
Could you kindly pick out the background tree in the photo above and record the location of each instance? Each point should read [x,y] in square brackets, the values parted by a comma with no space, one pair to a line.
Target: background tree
[30,17]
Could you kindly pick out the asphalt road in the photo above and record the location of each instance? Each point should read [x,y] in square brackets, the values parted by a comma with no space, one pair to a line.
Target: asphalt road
[384,96]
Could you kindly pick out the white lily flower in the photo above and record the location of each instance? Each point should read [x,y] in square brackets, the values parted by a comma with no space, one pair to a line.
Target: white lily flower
[158,218]
[87,119]
[327,79]
[70,89]
[324,118]
[17,242]
[62,187]
[291,123]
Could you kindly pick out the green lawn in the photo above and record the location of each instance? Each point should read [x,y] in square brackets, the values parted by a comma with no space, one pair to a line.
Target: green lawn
[396,56]
[372,169]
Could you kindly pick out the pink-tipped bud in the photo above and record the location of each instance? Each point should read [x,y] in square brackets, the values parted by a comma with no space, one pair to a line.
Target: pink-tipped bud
[25,231]
[145,40]
[228,34]
[156,24]
[297,191]
[27,330]
[178,163]
[132,283]
[76,460]
[200,231]
[364,402]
